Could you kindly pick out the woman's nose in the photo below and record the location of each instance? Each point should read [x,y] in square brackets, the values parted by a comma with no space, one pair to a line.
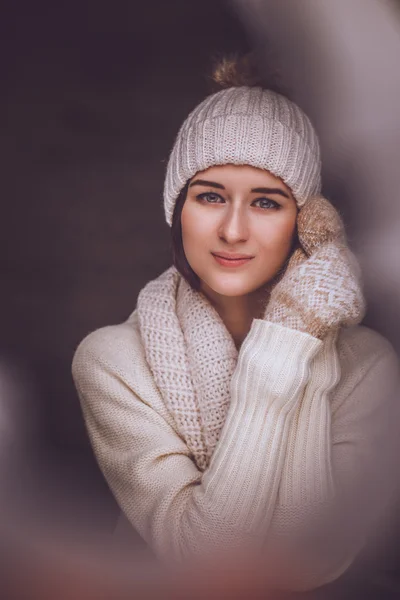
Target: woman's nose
[234,227]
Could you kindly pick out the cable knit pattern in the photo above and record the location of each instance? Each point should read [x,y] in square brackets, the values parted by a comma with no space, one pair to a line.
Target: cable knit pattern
[212,359]
[166,354]
[192,357]
[246,125]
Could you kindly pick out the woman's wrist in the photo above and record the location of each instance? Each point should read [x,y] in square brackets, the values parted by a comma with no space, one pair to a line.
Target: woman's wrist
[290,320]
[272,348]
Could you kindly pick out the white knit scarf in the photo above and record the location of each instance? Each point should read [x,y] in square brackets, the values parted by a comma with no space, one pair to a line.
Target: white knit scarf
[192,357]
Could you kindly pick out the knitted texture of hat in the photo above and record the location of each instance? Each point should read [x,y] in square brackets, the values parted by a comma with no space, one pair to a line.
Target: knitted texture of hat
[246,126]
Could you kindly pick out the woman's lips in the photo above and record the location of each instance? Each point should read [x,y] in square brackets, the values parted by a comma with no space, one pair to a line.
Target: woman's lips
[228,262]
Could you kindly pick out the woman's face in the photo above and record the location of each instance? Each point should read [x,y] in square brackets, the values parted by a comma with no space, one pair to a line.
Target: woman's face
[237,209]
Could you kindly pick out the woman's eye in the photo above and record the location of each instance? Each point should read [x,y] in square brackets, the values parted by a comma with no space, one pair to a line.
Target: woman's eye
[209,197]
[267,203]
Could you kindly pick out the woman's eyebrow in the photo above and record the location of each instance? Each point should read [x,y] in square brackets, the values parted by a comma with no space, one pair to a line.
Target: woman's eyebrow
[263,190]
[213,184]
[260,190]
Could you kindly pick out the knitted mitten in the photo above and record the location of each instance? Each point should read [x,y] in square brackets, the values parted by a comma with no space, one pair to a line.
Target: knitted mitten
[320,289]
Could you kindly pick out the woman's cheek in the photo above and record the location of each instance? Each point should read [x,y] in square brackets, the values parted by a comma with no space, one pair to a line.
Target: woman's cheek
[196,224]
[194,239]
[277,237]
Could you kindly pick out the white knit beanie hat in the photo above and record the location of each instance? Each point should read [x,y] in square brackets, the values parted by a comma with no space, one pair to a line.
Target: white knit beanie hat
[246,126]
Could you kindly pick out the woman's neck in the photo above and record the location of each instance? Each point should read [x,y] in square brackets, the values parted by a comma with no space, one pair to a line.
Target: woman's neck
[238,312]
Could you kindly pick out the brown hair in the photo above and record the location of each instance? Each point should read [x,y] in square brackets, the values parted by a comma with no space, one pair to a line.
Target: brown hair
[178,254]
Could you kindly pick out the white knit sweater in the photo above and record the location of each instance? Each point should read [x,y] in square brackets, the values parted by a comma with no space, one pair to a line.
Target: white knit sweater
[284,433]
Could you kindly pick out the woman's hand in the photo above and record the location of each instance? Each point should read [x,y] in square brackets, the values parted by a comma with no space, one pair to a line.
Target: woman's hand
[320,289]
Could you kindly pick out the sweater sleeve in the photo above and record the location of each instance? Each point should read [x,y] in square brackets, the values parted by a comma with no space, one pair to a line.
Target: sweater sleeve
[177,509]
[275,455]
[339,481]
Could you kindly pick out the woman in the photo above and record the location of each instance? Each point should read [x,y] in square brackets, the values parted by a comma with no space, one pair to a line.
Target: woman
[242,402]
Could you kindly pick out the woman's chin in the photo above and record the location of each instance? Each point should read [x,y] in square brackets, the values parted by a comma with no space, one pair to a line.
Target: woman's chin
[230,288]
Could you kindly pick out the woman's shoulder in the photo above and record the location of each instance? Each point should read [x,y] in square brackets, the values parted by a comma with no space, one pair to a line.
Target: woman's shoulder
[367,360]
[360,346]
[110,362]
[110,352]
[110,342]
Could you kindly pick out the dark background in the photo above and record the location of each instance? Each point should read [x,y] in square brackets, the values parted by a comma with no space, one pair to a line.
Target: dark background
[93,95]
